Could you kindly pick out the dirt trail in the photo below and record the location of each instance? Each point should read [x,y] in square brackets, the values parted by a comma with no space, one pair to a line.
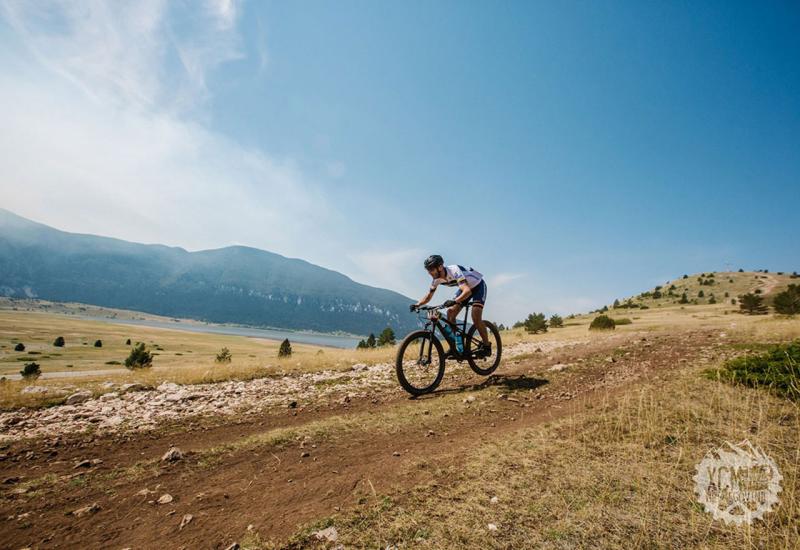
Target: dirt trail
[276,489]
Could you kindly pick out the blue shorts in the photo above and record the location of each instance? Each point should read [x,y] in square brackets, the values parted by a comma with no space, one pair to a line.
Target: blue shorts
[478,294]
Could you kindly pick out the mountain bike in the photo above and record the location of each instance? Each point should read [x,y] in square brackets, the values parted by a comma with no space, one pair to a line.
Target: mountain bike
[421,356]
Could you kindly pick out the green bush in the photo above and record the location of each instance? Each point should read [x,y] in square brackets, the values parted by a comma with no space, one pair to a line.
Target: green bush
[602,322]
[684,299]
[623,321]
[128,342]
[19,347]
[286,348]
[224,356]
[788,301]
[31,371]
[59,342]
[139,357]
[98,343]
[777,370]
[556,321]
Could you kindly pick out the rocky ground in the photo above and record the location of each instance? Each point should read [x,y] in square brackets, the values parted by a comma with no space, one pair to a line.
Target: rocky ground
[205,466]
[141,408]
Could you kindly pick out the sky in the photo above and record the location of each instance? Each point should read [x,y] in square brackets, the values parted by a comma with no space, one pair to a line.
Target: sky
[572,152]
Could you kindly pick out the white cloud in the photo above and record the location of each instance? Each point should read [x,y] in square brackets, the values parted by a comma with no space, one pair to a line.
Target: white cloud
[399,270]
[96,139]
[130,53]
[502,279]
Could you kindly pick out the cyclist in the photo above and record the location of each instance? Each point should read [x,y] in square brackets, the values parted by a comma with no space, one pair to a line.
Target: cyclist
[471,288]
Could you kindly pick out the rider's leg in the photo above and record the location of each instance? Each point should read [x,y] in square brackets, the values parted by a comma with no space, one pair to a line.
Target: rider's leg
[477,320]
[453,312]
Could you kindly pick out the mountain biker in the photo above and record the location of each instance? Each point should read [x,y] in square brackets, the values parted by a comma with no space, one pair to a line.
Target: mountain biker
[471,288]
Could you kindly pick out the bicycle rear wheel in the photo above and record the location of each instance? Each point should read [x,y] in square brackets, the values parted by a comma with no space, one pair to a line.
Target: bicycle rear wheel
[420,363]
[483,365]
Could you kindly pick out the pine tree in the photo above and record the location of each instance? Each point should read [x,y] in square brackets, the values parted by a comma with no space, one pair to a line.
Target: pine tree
[684,299]
[752,304]
[535,323]
[139,357]
[224,356]
[386,337]
[788,301]
[30,371]
[286,349]
[556,321]
[371,340]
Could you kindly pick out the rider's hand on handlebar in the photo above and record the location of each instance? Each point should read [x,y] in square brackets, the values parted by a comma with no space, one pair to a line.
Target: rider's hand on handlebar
[449,303]
[412,308]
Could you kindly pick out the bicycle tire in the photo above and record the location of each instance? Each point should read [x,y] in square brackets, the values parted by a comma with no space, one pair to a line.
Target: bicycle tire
[399,368]
[498,349]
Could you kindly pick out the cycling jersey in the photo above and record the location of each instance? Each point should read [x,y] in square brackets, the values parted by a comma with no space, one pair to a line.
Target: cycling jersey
[455,275]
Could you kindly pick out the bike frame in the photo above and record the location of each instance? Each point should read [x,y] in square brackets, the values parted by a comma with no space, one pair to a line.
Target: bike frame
[434,320]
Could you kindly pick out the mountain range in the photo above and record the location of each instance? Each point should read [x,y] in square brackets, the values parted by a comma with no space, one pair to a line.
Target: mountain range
[235,284]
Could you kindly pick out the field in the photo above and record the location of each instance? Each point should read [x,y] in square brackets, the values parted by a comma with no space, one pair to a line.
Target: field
[581,439]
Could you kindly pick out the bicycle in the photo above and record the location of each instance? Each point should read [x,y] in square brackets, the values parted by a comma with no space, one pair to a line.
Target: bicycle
[419,372]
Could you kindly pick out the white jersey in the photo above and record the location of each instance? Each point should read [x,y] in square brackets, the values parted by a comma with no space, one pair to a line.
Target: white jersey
[454,275]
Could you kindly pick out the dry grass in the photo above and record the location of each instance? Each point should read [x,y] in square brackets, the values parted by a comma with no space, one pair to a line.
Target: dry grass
[180,356]
[618,475]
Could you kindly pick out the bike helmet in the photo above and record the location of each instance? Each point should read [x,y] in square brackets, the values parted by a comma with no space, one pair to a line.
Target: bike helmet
[433,261]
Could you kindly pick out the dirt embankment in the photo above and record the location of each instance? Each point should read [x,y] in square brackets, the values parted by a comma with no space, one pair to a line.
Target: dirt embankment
[321,446]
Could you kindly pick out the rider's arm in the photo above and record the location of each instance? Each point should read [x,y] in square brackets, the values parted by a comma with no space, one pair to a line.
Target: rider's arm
[427,298]
[466,292]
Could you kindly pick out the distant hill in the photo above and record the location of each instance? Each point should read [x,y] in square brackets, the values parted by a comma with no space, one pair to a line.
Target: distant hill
[721,287]
[235,284]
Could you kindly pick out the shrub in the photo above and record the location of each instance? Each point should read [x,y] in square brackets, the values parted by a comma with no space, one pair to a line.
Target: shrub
[139,357]
[59,342]
[31,371]
[685,276]
[128,342]
[657,294]
[386,337]
[752,304]
[286,348]
[788,301]
[684,299]
[741,270]
[224,356]
[19,347]
[701,294]
[777,370]
[602,322]
[712,300]
[556,321]
[536,323]
[623,321]
[362,344]
[98,343]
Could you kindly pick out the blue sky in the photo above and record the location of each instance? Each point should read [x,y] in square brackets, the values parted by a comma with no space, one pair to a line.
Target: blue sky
[574,152]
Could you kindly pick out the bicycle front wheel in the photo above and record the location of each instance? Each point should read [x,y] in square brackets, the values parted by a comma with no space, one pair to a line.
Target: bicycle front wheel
[420,363]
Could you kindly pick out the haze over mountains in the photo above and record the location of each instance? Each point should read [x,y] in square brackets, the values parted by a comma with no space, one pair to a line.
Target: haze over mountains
[235,284]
